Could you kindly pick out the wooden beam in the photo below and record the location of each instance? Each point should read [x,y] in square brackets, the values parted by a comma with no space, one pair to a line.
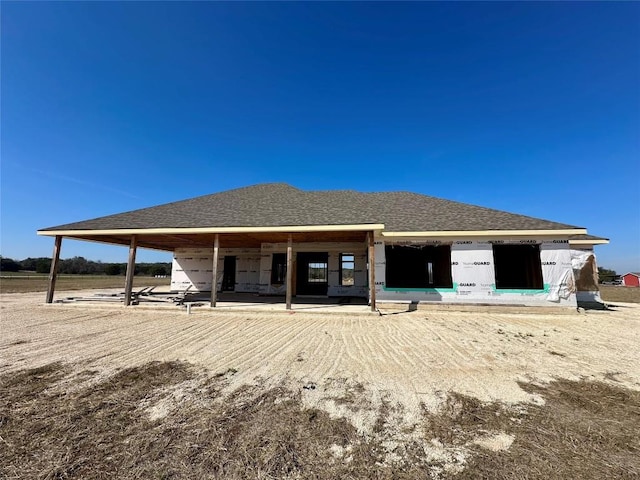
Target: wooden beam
[131,267]
[289,271]
[214,271]
[372,272]
[53,273]
[182,239]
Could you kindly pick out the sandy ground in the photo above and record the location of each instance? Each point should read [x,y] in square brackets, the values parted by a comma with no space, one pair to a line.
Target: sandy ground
[408,358]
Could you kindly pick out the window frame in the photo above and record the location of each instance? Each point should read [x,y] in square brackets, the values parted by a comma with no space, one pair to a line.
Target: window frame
[318,267]
[341,269]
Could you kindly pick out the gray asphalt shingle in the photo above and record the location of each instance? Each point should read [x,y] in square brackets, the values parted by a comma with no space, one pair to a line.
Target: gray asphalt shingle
[279,204]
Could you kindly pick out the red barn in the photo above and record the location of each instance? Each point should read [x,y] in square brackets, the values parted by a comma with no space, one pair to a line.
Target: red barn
[631,279]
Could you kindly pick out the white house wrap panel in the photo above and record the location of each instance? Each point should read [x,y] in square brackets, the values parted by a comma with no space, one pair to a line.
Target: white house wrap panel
[474,279]
[192,268]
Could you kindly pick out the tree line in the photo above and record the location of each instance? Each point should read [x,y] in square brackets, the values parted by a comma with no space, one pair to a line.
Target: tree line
[607,275]
[82,266]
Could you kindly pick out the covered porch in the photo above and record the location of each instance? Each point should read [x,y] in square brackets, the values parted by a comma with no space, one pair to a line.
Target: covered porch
[294,237]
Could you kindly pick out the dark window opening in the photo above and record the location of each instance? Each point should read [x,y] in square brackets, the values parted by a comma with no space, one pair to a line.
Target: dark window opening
[347,269]
[229,274]
[418,266]
[318,272]
[518,267]
[279,268]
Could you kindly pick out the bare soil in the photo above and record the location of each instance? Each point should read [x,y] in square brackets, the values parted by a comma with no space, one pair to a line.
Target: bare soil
[106,392]
[110,429]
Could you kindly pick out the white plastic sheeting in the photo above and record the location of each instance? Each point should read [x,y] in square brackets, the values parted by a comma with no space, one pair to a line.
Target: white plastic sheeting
[556,270]
[585,272]
[472,269]
[473,275]
[193,267]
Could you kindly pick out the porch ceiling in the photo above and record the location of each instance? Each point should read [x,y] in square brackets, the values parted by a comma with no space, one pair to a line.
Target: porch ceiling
[169,242]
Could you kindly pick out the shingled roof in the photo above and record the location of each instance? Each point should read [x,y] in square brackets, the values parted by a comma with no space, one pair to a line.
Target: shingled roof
[589,239]
[279,204]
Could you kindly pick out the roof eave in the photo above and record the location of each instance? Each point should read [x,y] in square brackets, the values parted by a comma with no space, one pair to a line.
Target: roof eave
[601,241]
[174,231]
[490,233]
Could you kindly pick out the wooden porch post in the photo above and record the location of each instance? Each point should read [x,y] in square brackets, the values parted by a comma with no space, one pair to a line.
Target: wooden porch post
[53,273]
[372,272]
[131,266]
[214,271]
[289,272]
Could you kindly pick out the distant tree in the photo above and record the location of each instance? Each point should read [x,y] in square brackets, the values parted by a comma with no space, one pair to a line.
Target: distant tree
[113,269]
[151,269]
[76,265]
[82,266]
[9,265]
[606,275]
[28,264]
[158,270]
[39,264]
[43,265]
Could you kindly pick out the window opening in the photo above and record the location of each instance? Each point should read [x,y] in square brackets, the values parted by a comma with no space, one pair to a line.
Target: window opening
[518,267]
[347,269]
[318,272]
[278,268]
[417,266]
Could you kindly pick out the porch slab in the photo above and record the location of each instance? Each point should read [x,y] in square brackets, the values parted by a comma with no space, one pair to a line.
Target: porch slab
[164,299]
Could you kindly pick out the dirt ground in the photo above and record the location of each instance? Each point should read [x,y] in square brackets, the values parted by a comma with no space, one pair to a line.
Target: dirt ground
[413,361]
[411,356]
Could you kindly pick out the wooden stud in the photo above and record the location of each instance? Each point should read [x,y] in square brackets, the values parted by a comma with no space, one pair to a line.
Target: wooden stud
[289,271]
[214,272]
[53,273]
[372,272]
[131,267]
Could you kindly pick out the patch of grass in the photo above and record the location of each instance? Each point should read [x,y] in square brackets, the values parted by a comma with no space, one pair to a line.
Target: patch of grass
[586,430]
[38,283]
[86,434]
[617,293]
[22,273]
[462,419]
[28,384]
[103,430]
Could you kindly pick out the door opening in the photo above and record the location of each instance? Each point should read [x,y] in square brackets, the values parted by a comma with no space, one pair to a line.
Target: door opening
[312,273]
[229,274]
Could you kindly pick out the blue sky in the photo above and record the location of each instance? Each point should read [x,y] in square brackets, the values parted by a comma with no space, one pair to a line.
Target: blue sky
[532,108]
